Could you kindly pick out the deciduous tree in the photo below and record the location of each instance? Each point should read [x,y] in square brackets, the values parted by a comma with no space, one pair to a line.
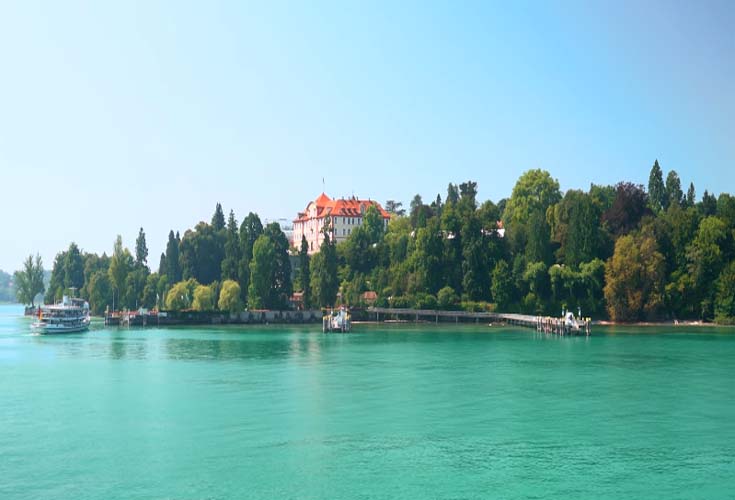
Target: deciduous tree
[261,273]
[121,263]
[706,261]
[229,297]
[180,295]
[525,214]
[725,298]
[629,206]
[29,281]
[395,208]
[634,279]
[502,285]
[204,298]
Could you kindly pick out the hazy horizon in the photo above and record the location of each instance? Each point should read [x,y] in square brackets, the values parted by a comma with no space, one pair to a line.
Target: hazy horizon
[121,116]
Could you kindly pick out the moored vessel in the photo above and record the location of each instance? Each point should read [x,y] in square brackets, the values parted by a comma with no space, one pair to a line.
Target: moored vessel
[68,316]
[337,321]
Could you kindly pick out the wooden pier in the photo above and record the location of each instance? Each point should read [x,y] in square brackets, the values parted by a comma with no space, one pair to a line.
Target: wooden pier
[544,324]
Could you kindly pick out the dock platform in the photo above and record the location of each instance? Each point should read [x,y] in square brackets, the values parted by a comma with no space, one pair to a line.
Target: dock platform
[546,324]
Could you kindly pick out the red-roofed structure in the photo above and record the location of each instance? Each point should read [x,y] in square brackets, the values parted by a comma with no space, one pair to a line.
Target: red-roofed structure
[343,215]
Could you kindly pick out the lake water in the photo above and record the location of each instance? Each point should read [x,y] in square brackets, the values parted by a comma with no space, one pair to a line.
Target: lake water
[386,412]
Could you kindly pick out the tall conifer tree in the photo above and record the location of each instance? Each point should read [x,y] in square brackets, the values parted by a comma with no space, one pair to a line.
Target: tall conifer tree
[656,188]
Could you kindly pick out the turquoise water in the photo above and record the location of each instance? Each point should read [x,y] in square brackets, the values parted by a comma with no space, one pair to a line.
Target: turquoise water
[387,412]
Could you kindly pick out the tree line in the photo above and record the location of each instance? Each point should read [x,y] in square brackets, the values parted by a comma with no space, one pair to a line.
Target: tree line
[628,252]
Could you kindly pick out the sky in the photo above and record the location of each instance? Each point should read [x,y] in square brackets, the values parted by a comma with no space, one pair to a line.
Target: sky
[121,115]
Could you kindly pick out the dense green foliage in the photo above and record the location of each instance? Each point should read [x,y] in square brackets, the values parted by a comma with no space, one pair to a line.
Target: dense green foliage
[305,272]
[232,249]
[324,279]
[67,273]
[29,281]
[635,279]
[181,295]
[262,269]
[204,298]
[229,297]
[618,251]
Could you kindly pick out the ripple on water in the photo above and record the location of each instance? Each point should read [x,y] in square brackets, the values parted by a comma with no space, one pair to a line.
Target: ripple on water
[385,413]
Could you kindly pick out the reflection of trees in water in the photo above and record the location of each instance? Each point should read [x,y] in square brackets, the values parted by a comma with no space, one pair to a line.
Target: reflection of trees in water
[242,347]
[308,346]
[214,345]
[123,347]
[119,345]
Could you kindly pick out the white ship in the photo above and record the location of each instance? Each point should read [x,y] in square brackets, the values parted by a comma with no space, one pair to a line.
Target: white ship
[68,316]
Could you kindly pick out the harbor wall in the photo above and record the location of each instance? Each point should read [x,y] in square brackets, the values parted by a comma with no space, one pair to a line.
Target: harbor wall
[171,318]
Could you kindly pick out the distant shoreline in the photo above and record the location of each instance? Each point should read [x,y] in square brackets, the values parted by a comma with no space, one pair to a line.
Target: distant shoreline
[594,323]
[660,323]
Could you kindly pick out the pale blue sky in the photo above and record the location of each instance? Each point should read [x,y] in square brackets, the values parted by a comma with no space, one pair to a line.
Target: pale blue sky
[116,115]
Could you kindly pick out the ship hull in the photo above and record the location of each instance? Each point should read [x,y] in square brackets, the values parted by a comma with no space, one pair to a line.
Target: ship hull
[47,329]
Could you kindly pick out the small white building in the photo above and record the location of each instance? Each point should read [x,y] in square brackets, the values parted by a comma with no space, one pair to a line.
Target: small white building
[343,216]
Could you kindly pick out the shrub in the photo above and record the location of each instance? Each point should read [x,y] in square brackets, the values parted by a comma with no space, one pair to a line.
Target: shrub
[472,306]
[447,298]
[424,301]
[400,302]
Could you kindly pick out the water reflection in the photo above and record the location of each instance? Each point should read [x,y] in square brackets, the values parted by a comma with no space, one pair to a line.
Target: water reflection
[574,339]
[275,345]
[200,344]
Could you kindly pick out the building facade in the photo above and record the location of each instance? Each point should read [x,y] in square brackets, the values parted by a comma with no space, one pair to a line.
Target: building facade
[343,216]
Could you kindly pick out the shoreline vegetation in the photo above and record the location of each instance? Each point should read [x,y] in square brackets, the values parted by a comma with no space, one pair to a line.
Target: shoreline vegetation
[315,323]
[626,254]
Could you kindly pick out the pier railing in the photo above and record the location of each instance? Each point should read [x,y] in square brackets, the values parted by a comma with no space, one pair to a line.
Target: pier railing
[546,324]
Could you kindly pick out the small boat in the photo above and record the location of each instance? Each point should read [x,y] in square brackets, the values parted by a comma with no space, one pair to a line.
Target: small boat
[337,321]
[571,322]
[68,316]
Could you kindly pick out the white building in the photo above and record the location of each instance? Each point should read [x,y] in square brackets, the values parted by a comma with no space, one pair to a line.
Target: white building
[343,216]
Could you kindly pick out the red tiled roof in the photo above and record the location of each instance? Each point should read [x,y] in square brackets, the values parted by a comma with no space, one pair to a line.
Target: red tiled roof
[351,207]
[323,199]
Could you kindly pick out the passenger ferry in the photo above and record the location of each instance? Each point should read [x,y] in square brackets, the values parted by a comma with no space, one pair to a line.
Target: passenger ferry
[69,316]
